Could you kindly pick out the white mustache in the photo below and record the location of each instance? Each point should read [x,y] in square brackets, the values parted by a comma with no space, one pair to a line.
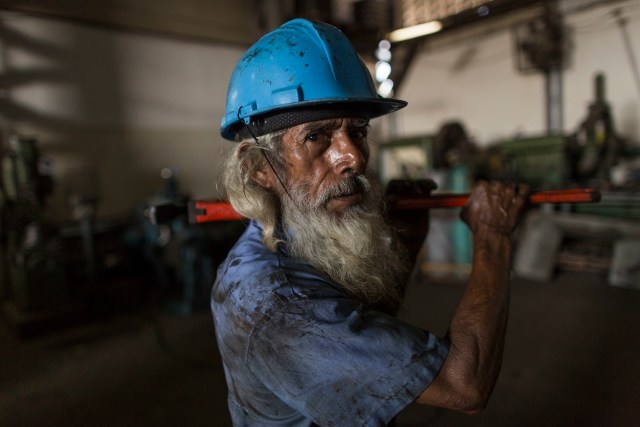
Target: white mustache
[348,186]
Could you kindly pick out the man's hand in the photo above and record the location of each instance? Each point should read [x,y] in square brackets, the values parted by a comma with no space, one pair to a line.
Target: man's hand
[495,207]
[412,226]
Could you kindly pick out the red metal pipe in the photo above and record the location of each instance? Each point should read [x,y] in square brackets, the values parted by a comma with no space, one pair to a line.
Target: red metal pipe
[435,201]
[206,211]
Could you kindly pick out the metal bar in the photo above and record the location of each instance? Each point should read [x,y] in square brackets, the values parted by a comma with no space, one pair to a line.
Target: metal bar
[435,201]
[206,211]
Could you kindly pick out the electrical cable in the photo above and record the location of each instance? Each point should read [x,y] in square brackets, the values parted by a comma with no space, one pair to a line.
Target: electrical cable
[264,154]
[601,23]
[581,7]
[596,23]
[622,24]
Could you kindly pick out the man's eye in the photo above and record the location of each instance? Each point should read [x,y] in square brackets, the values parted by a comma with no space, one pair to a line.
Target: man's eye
[313,137]
[358,135]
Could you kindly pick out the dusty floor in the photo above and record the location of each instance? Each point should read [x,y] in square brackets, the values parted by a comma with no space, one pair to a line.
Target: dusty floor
[572,358]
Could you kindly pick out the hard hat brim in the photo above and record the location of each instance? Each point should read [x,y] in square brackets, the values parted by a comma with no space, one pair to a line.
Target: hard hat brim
[276,119]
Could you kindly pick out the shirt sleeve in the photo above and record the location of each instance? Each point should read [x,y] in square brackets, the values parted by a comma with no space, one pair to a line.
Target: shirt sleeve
[339,365]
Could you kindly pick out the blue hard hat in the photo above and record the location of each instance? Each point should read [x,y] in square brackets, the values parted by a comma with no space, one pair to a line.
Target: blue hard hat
[300,72]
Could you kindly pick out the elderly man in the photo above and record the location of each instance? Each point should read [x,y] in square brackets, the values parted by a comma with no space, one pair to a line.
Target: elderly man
[304,306]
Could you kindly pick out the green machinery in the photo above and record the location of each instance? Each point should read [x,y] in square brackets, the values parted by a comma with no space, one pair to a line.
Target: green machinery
[587,158]
[539,161]
[32,268]
[54,274]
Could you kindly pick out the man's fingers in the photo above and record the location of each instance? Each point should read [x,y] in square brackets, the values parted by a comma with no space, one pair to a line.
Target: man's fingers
[522,195]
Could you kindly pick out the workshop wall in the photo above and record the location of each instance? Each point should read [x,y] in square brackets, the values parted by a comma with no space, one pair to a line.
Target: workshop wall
[111,108]
[473,82]
[471,76]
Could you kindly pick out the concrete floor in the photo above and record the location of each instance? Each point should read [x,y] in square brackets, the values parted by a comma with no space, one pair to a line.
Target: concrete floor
[572,358]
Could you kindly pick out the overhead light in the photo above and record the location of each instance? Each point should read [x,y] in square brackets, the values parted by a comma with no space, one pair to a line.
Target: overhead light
[385,89]
[382,71]
[414,31]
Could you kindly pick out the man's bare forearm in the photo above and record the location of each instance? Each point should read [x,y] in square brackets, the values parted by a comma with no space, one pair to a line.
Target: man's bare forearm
[477,329]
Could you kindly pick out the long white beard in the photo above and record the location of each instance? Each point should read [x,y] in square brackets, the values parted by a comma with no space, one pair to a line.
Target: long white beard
[357,249]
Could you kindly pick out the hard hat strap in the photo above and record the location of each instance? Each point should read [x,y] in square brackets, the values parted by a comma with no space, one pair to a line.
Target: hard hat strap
[264,154]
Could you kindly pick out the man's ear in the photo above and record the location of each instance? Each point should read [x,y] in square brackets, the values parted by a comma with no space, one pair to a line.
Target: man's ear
[265,177]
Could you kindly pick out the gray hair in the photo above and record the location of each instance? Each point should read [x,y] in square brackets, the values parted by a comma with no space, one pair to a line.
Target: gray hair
[247,197]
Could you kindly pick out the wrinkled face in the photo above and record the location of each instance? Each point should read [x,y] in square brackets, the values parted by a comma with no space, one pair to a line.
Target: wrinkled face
[332,213]
[320,155]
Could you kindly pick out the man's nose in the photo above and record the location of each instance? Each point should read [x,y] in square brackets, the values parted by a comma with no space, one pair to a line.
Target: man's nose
[348,157]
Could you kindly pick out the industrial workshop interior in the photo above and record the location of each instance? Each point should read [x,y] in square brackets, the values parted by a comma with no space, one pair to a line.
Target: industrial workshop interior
[110,137]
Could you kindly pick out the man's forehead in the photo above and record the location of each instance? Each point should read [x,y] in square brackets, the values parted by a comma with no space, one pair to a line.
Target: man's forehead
[334,123]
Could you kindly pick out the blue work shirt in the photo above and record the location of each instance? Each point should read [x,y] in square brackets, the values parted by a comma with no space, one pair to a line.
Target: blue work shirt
[296,350]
